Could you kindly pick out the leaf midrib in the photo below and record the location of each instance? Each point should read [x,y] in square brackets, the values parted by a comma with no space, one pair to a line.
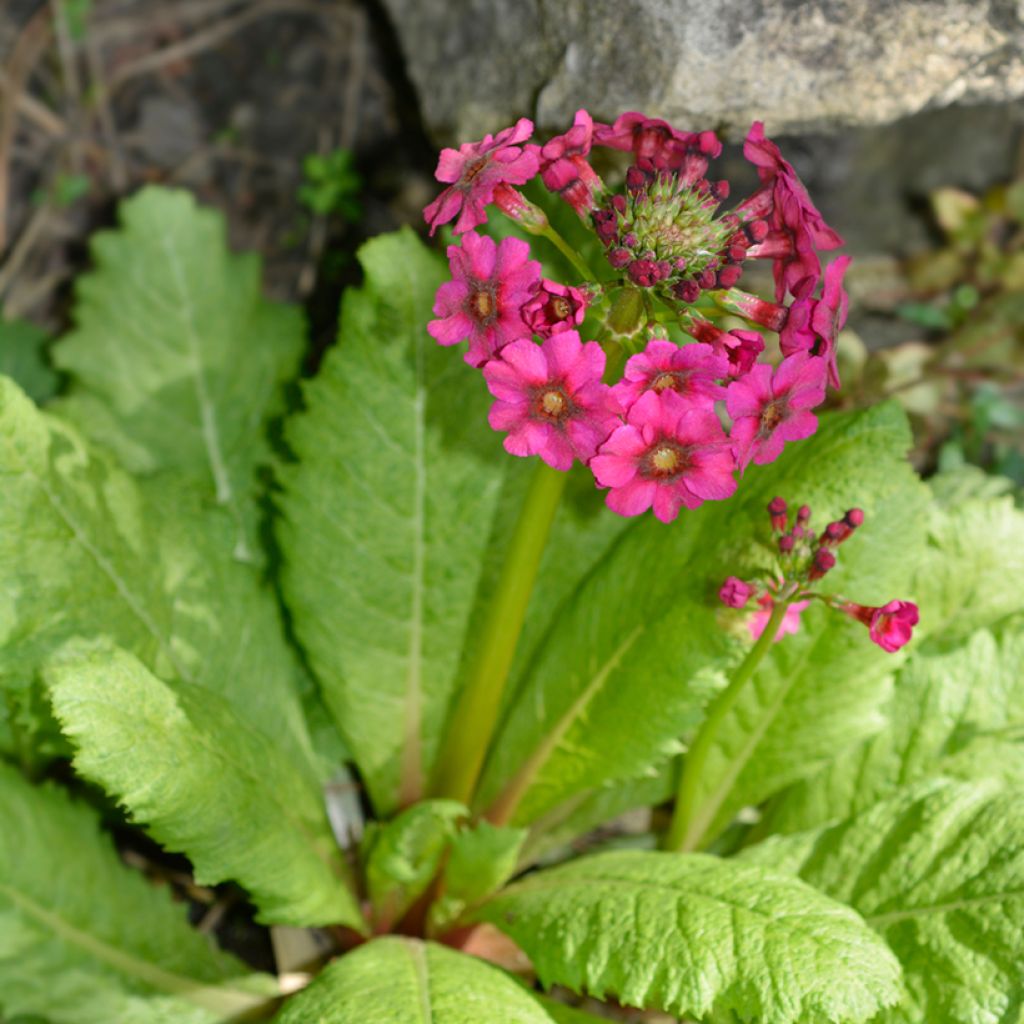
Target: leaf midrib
[884,920]
[223,1000]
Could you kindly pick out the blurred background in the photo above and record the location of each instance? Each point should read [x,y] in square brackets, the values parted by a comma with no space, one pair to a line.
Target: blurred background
[313,124]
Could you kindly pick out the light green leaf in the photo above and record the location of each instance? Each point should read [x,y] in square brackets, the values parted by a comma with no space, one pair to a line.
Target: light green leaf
[644,640]
[177,361]
[187,766]
[404,981]
[22,358]
[84,551]
[480,860]
[690,934]
[970,574]
[84,940]
[938,871]
[386,518]
[957,713]
[402,856]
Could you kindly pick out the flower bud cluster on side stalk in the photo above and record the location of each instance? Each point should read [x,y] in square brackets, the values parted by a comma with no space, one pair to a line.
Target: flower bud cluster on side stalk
[676,423]
[805,558]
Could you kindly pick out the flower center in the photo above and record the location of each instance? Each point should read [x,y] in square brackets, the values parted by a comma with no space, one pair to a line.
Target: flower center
[772,415]
[663,461]
[669,379]
[559,308]
[552,404]
[473,169]
[482,306]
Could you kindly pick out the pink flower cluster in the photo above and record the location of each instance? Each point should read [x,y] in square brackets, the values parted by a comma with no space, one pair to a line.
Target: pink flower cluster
[655,434]
[804,558]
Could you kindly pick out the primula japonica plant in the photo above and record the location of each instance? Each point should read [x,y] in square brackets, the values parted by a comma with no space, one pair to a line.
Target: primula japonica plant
[499,662]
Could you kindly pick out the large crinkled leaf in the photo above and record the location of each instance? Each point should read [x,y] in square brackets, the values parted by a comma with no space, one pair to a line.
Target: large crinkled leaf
[203,782]
[405,981]
[693,934]
[85,551]
[386,518]
[83,940]
[22,358]
[938,871]
[970,574]
[177,361]
[644,640]
[957,713]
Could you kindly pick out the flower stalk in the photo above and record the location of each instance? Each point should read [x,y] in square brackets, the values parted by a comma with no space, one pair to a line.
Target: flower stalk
[472,725]
[690,822]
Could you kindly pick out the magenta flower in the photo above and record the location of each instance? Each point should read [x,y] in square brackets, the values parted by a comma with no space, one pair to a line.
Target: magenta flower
[475,170]
[483,302]
[691,370]
[735,592]
[769,409]
[656,145]
[669,453]
[550,398]
[740,348]
[889,626]
[790,621]
[555,307]
[813,325]
[564,167]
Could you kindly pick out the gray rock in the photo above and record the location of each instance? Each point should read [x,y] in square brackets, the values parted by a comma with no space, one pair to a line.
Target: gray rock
[800,65]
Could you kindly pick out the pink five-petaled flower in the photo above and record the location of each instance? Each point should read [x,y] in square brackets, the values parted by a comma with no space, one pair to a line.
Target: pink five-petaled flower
[690,370]
[790,621]
[669,453]
[483,302]
[735,592]
[555,307]
[475,169]
[890,625]
[550,398]
[813,324]
[769,409]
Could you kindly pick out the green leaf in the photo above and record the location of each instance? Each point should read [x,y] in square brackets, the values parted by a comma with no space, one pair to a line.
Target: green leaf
[480,860]
[187,766]
[22,357]
[692,934]
[959,713]
[386,518]
[972,566]
[938,871]
[84,940]
[393,980]
[177,361]
[402,857]
[644,640]
[83,551]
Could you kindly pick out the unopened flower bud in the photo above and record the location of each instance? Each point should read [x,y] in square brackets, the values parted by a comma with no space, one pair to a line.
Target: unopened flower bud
[854,518]
[735,592]
[823,561]
[803,513]
[786,543]
[777,510]
[514,204]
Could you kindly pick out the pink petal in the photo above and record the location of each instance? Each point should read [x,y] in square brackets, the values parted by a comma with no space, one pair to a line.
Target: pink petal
[632,499]
[527,359]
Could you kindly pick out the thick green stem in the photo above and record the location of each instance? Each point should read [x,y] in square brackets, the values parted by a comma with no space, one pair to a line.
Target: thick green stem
[476,713]
[689,821]
[568,252]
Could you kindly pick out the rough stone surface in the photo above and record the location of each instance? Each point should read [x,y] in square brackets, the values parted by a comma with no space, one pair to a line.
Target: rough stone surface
[800,65]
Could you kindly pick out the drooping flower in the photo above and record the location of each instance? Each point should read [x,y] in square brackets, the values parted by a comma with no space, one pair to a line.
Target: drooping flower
[814,324]
[890,626]
[690,370]
[735,592]
[555,307]
[656,145]
[483,301]
[768,409]
[475,169]
[741,348]
[790,621]
[668,454]
[564,167]
[550,398]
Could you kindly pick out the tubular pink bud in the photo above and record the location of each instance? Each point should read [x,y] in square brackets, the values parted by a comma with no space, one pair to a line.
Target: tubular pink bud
[823,561]
[786,543]
[777,510]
